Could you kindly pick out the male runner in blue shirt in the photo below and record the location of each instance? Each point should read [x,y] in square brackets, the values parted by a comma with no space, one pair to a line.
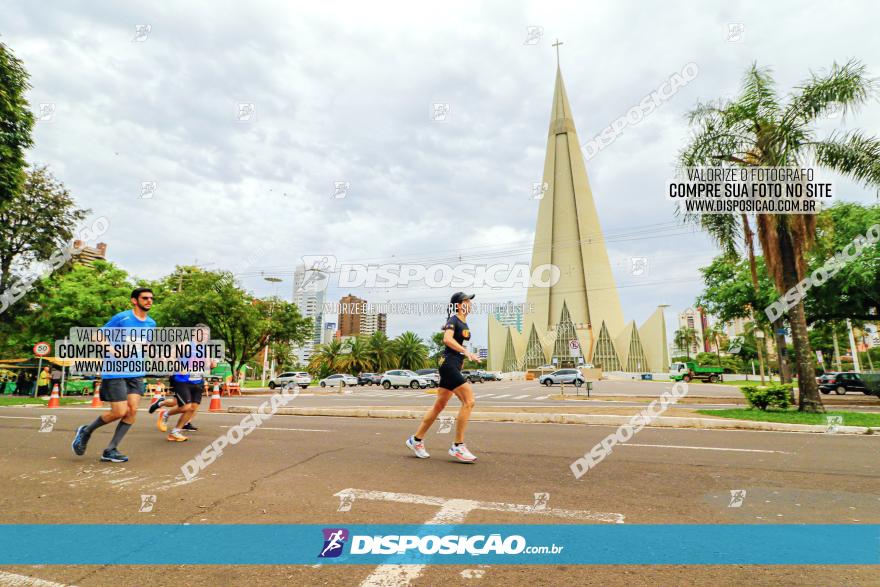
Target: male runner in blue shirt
[122,390]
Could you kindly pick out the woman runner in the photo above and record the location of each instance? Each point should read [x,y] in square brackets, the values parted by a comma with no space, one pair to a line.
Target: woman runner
[455,332]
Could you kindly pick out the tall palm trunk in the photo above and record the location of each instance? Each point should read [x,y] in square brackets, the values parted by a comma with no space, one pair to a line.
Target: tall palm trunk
[808,397]
[753,269]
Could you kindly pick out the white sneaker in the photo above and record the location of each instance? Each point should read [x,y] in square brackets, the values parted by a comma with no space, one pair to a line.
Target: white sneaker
[417,447]
[461,453]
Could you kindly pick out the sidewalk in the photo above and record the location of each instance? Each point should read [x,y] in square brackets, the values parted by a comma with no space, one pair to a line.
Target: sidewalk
[678,418]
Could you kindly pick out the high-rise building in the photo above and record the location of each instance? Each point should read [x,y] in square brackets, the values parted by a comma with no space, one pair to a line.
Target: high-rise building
[308,296]
[351,315]
[329,332]
[86,255]
[583,304]
[696,319]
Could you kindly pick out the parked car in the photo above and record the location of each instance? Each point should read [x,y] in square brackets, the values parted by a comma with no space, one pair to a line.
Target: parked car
[338,380]
[369,379]
[572,376]
[842,381]
[403,378]
[300,378]
[492,376]
[472,376]
[432,375]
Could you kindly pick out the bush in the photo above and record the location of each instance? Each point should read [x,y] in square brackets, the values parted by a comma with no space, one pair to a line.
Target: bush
[776,395]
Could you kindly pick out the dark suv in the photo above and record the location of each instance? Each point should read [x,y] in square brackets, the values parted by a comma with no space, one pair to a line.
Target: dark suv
[369,379]
[472,376]
[841,382]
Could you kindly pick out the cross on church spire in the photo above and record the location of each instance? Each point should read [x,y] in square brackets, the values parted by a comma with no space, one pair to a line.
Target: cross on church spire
[556,44]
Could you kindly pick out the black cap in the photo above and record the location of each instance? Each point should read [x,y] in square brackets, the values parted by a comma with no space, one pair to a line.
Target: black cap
[459,296]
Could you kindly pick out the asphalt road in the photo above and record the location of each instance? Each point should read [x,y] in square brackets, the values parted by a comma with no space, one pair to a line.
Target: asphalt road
[532,394]
[290,470]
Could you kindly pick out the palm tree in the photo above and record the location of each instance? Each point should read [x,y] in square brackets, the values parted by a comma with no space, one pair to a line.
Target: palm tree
[381,351]
[356,356]
[326,358]
[411,351]
[757,130]
[714,333]
[684,337]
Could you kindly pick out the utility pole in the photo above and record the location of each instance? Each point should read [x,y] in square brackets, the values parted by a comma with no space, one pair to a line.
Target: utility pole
[836,348]
[852,344]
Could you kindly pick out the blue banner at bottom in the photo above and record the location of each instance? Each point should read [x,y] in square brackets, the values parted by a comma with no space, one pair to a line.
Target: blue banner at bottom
[283,544]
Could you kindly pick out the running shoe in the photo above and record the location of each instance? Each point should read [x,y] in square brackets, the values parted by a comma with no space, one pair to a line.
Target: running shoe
[156,403]
[176,436]
[111,455]
[461,453]
[417,447]
[162,422]
[189,426]
[80,441]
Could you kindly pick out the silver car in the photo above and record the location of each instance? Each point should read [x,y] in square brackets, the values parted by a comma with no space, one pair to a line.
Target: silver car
[571,376]
[300,378]
[403,378]
[339,380]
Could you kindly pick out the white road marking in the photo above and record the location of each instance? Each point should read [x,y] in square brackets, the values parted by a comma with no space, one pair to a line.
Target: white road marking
[522,396]
[483,395]
[706,448]
[453,511]
[502,395]
[290,429]
[22,417]
[13,580]
[543,397]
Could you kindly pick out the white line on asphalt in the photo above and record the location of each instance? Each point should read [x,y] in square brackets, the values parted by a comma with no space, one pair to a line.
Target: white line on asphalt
[543,397]
[502,395]
[21,417]
[13,580]
[452,511]
[522,396]
[706,448]
[483,395]
[291,429]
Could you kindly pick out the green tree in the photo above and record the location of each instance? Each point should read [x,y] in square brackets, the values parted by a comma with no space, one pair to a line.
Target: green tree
[16,124]
[411,351]
[684,338]
[436,347]
[755,129]
[382,353]
[35,222]
[715,334]
[357,357]
[84,296]
[326,359]
[246,324]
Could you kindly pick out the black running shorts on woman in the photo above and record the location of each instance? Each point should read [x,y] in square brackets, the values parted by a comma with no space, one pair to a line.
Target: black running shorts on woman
[452,361]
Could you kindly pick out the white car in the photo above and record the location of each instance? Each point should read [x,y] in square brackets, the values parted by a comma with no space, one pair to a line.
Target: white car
[339,380]
[403,378]
[300,378]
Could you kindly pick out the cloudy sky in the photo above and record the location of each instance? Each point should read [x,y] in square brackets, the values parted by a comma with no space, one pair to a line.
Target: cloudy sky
[152,92]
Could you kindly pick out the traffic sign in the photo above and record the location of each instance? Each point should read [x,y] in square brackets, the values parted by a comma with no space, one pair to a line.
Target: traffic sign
[574,347]
[41,349]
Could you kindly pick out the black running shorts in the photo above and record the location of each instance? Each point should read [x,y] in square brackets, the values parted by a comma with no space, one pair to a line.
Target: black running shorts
[181,390]
[450,374]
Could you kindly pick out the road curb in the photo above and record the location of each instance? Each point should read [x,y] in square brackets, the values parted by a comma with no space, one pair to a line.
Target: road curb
[588,419]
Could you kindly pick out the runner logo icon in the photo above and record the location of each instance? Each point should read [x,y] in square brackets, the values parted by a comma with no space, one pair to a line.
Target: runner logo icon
[334,541]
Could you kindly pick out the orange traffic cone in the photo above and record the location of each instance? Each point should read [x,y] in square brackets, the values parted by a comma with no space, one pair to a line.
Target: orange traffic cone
[96,398]
[215,400]
[54,399]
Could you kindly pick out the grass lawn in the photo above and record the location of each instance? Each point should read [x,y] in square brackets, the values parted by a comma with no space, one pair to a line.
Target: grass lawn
[792,416]
[12,400]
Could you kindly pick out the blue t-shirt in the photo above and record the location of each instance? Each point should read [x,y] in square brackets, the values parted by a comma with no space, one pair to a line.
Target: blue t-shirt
[127,319]
[189,377]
